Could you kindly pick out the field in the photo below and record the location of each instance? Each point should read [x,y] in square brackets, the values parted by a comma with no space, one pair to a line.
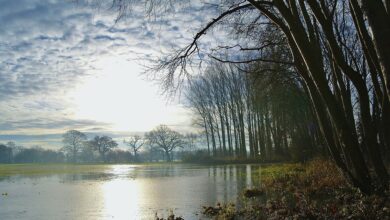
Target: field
[47,169]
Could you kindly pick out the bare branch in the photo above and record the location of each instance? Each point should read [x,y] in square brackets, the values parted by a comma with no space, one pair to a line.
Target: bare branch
[251,60]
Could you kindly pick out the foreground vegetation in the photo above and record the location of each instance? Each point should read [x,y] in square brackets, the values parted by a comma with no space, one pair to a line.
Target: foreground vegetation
[316,190]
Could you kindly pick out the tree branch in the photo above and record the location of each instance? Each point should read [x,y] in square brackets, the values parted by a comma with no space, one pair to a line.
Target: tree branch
[251,60]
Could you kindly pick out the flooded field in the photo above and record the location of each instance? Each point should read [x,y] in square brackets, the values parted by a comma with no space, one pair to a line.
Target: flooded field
[123,191]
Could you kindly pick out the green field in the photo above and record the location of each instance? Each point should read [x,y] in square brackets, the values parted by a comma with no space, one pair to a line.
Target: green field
[63,168]
[44,169]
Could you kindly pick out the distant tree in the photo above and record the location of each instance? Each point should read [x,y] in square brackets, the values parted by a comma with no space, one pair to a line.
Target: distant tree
[5,154]
[151,153]
[102,144]
[135,143]
[191,140]
[166,139]
[15,148]
[11,144]
[87,153]
[37,154]
[73,142]
[118,156]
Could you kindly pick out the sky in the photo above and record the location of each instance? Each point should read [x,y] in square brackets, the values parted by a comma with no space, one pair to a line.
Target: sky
[71,66]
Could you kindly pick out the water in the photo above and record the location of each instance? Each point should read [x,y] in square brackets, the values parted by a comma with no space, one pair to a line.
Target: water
[124,192]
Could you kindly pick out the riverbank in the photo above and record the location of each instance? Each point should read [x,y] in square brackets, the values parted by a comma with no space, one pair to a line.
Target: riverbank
[315,190]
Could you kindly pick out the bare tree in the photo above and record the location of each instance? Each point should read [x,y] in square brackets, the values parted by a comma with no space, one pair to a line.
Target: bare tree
[15,148]
[5,154]
[191,140]
[102,144]
[73,142]
[166,139]
[135,143]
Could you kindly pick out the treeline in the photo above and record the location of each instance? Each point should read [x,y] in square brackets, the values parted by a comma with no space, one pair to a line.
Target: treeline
[254,111]
[12,153]
[160,144]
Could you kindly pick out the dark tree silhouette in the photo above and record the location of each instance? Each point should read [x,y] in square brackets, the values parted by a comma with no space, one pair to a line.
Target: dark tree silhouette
[37,154]
[73,141]
[135,143]
[166,139]
[5,154]
[102,144]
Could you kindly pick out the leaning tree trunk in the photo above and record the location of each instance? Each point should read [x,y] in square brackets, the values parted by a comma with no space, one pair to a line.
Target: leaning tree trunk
[379,21]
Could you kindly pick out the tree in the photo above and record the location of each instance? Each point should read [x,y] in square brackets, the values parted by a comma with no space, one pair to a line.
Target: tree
[87,153]
[264,105]
[191,140]
[323,33]
[73,141]
[102,144]
[37,154]
[135,143]
[5,154]
[166,139]
[15,148]
[118,156]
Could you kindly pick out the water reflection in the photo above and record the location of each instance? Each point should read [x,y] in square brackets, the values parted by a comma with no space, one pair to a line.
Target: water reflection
[121,198]
[125,192]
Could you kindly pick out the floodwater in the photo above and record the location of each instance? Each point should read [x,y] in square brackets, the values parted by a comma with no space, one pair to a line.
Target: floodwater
[124,192]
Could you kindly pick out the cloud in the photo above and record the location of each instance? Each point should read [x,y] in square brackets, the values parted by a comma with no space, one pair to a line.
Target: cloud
[49,47]
[46,45]
[44,123]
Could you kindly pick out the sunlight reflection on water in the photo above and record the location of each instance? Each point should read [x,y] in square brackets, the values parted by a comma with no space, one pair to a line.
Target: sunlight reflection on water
[121,198]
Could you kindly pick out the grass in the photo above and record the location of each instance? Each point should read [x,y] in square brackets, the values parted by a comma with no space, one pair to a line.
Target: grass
[316,190]
[45,169]
[318,175]
[64,168]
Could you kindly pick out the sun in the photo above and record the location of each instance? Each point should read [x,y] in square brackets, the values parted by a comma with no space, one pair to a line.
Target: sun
[116,93]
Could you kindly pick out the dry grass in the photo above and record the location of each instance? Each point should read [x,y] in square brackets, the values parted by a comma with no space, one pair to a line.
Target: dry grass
[316,190]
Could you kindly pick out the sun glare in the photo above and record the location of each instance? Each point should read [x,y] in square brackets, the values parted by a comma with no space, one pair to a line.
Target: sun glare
[121,199]
[117,94]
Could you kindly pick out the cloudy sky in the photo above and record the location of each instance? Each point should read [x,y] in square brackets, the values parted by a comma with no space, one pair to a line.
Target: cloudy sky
[70,66]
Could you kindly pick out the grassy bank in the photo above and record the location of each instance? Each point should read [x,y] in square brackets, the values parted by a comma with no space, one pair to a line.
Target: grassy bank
[316,190]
